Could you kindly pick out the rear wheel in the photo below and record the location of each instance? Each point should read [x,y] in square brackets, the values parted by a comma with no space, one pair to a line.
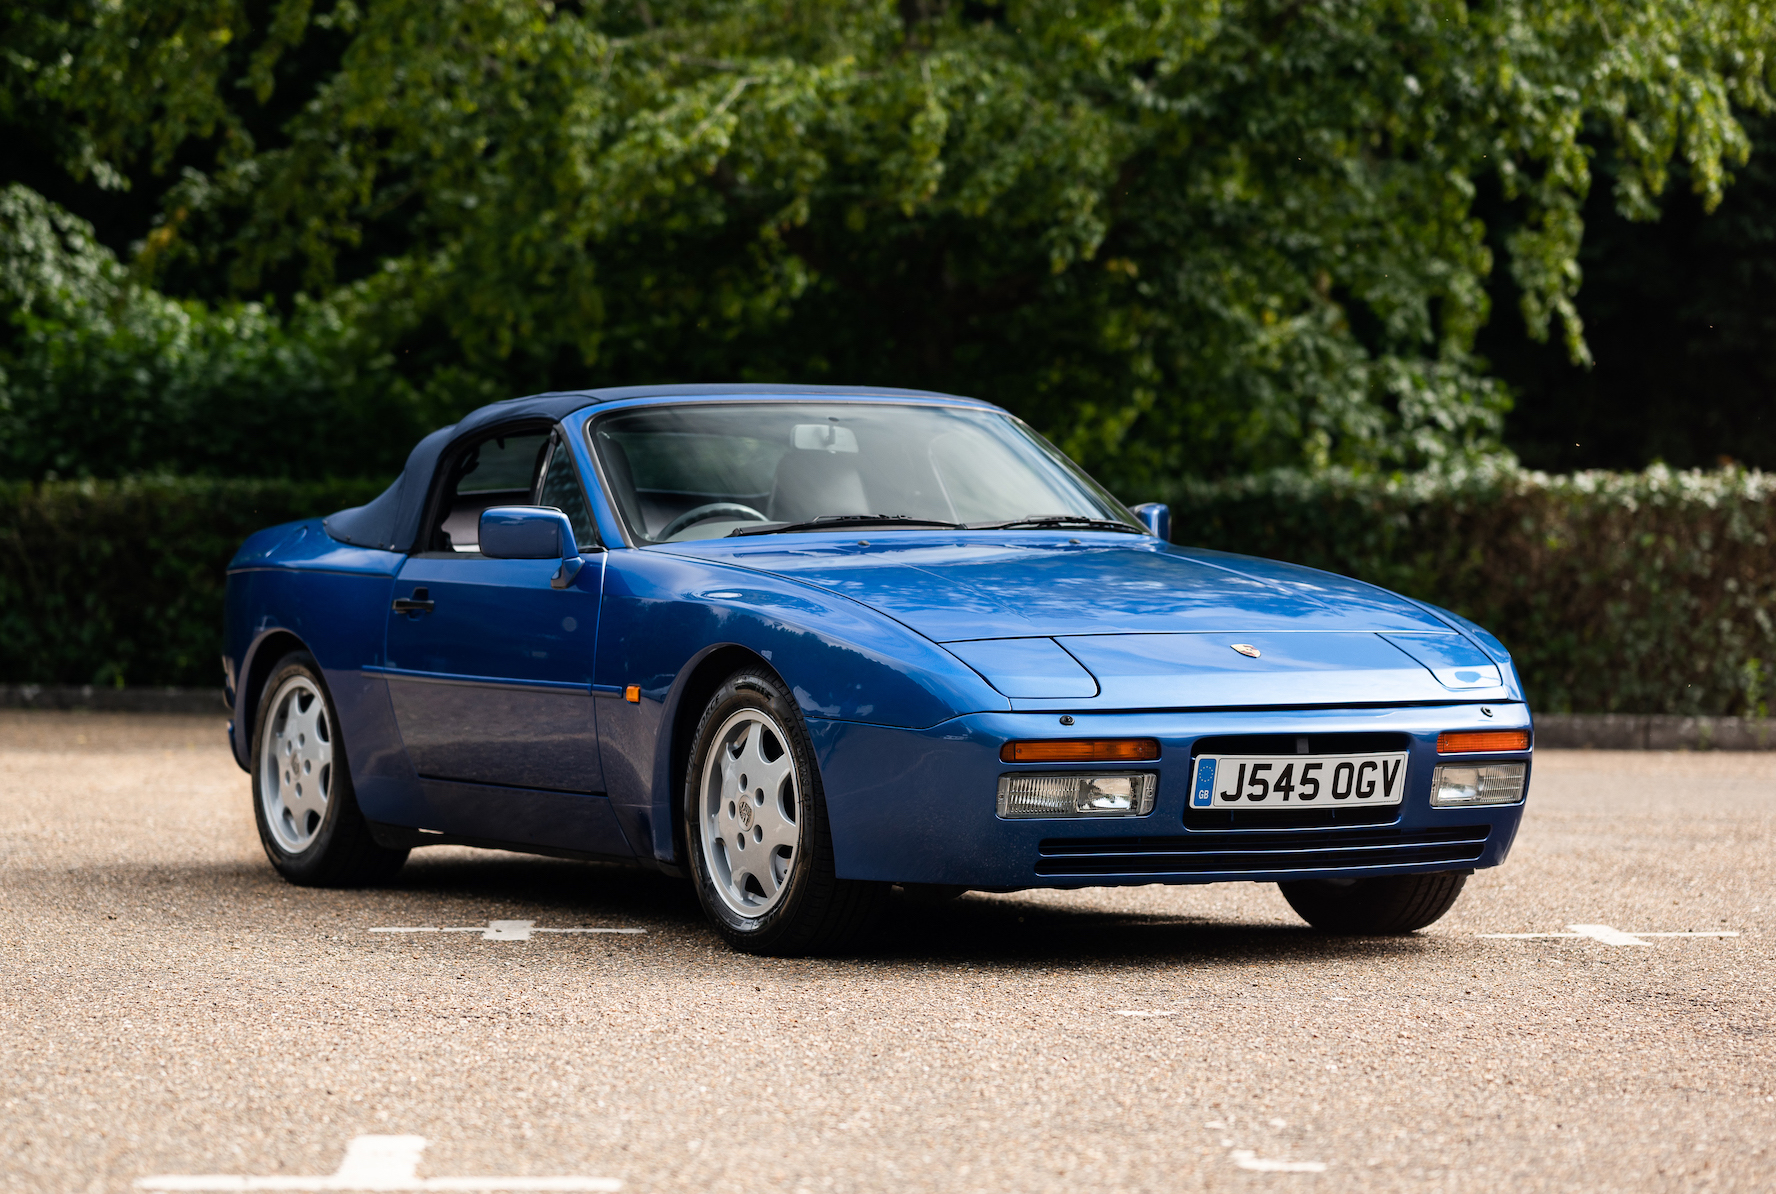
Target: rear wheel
[1374,907]
[307,813]
[756,829]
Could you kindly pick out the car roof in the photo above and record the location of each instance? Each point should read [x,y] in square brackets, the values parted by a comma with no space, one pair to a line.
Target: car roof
[727,390]
[391,521]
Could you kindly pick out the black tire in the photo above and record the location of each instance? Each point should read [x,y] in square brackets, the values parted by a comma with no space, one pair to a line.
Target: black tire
[1374,907]
[929,895]
[812,910]
[330,849]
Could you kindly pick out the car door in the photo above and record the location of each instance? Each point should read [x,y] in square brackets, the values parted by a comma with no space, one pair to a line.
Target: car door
[489,667]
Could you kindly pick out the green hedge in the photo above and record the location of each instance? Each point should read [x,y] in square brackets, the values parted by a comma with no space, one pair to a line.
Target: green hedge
[1648,592]
[1651,592]
[120,582]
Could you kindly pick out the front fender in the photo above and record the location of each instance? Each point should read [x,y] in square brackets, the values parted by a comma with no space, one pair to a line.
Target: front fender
[664,614]
[843,660]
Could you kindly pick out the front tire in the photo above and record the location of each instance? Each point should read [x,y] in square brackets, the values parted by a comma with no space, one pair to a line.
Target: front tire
[756,828]
[303,801]
[1374,907]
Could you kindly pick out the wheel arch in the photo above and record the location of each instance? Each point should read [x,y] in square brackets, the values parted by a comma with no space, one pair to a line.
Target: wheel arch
[262,657]
[697,684]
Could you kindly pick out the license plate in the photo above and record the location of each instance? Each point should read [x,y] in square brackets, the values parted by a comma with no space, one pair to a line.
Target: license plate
[1298,781]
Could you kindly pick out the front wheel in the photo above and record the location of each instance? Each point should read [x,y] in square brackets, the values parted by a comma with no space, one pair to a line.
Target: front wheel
[308,815]
[756,829]
[1374,907]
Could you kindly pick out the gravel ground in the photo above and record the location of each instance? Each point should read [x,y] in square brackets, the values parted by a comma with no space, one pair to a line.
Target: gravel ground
[168,1006]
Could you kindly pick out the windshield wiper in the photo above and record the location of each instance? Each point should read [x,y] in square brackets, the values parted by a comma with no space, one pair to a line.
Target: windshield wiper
[835,522]
[1061,520]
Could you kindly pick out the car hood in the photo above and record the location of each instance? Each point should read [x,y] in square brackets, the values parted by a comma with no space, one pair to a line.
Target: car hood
[952,588]
[1117,621]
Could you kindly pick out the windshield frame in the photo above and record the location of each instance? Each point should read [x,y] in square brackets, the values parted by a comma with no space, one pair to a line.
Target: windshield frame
[633,538]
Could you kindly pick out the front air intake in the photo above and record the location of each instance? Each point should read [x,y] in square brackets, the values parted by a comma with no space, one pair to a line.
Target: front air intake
[1260,853]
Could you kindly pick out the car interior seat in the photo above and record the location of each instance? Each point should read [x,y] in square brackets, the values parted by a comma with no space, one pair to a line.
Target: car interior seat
[811,483]
[622,480]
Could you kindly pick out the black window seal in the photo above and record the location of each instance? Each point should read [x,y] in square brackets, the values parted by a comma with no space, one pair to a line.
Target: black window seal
[558,439]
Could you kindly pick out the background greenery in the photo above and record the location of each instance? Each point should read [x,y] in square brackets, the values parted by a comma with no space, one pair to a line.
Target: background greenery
[120,582]
[1320,270]
[1184,237]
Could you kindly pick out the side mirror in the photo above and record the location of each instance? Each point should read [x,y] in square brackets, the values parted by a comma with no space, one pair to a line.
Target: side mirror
[531,533]
[1156,517]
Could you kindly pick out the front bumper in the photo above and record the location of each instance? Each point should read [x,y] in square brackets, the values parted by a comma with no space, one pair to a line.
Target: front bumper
[918,806]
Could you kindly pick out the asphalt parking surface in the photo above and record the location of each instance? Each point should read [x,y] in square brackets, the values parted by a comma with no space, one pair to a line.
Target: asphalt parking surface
[168,1006]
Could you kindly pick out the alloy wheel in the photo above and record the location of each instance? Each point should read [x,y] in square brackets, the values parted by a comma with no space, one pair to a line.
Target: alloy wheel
[296,764]
[750,809]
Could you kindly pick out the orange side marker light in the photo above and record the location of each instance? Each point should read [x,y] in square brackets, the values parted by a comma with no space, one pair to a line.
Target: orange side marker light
[632,694]
[1081,750]
[1479,741]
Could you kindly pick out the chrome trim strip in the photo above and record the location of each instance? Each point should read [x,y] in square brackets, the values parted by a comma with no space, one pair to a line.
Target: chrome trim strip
[394,673]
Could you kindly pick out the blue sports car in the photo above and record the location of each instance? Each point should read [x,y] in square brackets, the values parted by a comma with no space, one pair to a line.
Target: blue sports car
[804,645]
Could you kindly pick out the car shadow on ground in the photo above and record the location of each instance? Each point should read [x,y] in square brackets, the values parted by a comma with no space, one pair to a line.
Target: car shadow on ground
[518,884]
[999,929]
[464,888]
[1007,931]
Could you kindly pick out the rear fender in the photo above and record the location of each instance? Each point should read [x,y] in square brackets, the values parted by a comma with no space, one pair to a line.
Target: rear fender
[294,588]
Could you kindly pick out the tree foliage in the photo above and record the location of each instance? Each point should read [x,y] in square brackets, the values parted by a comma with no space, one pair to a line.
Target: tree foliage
[1187,237]
[1681,315]
[102,375]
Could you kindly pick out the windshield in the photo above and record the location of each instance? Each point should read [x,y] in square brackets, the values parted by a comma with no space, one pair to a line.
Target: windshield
[707,470]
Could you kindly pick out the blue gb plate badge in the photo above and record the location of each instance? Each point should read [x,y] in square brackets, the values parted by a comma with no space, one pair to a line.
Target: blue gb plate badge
[1203,795]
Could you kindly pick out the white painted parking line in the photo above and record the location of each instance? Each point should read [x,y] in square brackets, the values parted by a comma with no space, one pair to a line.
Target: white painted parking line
[1607,935]
[1604,933]
[499,930]
[376,1163]
[1245,1158]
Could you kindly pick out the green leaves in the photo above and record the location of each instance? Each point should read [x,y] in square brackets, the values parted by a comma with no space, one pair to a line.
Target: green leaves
[1183,236]
[102,376]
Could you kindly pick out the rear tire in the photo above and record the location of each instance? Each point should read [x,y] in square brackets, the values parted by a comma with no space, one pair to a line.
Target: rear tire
[756,829]
[303,801]
[1374,907]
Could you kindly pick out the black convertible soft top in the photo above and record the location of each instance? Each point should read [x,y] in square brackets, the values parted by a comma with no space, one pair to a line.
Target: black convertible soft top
[391,520]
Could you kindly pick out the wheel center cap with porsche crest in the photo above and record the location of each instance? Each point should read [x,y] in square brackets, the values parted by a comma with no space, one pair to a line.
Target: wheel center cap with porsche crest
[1246,649]
[746,814]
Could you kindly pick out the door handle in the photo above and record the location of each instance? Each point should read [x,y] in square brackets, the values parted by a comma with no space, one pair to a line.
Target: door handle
[419,603]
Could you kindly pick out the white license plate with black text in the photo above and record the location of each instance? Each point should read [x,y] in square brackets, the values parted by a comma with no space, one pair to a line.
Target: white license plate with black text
[1298,781]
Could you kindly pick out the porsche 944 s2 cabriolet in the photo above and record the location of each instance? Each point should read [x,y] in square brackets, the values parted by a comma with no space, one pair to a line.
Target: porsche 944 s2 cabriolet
[805,644]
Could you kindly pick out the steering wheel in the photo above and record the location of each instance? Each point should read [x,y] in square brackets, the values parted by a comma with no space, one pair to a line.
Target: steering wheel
[703,513]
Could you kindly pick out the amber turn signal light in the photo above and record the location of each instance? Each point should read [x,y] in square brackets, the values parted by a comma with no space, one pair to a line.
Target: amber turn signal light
[632,694]
[1081,750]
[1482,741]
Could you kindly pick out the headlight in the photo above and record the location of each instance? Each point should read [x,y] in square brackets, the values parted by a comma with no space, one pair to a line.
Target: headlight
[1454,786]
[1077,794]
